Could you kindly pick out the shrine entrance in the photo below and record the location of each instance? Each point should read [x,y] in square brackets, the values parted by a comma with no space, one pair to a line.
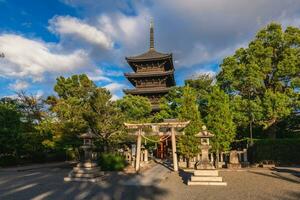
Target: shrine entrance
[168,128]
[163,147]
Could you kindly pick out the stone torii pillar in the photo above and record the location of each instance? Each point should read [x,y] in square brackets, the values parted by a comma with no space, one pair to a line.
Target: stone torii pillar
[173,138]
[138,150]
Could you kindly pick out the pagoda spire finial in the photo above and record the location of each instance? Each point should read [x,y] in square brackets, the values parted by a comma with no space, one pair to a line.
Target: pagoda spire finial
[151,34]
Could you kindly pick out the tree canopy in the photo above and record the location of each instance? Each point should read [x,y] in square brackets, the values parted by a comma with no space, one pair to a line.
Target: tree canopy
[265,75]
[135,108]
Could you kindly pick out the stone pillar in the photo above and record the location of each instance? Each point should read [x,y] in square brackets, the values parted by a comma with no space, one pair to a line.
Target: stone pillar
[146,155]
[138,151]
[173,138]
[240,156]
[142,156]
[212,158]
[221,156]
[198,157]
[245,155]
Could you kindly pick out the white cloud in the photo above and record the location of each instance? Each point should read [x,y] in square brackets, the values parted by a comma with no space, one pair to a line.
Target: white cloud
[98,75]
[32,58]
[196,31]
[19,85]
[71,26]
[115,88]
[128,31]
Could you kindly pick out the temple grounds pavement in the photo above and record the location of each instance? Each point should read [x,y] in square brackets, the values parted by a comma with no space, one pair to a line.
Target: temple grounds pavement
[159,182]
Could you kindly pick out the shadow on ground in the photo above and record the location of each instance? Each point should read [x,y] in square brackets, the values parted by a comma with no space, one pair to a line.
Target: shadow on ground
[49,184]
[287,176]
[185,176]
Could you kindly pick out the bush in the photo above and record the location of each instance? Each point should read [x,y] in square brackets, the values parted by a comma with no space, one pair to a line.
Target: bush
[8,160]
[112,162]
[281,151]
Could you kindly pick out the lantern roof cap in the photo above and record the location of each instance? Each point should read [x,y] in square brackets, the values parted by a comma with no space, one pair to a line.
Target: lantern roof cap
[204,133]
[88,135]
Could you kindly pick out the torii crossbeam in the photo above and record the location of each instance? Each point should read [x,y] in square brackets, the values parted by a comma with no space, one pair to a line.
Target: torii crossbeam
[167,126]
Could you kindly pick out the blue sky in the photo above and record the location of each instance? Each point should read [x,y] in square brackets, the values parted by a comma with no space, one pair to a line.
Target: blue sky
[45,39]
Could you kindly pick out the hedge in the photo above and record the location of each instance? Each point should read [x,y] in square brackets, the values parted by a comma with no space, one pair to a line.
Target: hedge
[280,151]
[112,162]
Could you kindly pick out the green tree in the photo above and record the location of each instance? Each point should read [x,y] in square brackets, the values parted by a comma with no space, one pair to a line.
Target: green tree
[202,84]
[135,108]
[10,129]
[188,144]
[80,106]
[169,105]
[267,69]
[219,120]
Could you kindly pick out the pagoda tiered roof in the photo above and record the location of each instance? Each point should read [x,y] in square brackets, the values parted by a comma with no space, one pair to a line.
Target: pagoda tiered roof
[149,73]
[150,55]
[153,90]
[153,74]
[169,76]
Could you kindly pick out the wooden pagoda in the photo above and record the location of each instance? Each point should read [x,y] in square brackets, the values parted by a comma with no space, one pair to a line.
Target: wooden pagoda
[153,74]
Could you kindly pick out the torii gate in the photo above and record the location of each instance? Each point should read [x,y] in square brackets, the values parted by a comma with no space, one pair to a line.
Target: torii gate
[156,127]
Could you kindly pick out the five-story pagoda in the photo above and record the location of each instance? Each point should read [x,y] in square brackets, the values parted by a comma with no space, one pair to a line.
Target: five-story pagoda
[153,74]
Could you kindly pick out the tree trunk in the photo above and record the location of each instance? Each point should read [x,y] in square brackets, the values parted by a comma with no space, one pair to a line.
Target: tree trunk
[251,134]
[188,162]
[217,159]
[271,132]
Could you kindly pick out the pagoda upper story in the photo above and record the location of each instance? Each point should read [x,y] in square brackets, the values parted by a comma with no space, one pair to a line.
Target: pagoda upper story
[153,73]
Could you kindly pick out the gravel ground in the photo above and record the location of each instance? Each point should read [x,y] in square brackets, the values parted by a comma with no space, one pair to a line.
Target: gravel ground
[47,183]
[241,185]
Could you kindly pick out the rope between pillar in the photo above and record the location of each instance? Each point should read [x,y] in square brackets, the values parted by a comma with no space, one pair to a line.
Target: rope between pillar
[156,141]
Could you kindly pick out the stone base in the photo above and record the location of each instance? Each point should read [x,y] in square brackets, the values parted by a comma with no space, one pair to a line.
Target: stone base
[93,180]
[234,166]
[87,171]
[245,164]
[208,183]
[221,164]
[87,165]
[205,166]
[206,177]
[267,166]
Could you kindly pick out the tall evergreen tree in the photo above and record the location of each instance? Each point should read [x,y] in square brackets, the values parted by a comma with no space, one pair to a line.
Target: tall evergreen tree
[188,144]
[219,119]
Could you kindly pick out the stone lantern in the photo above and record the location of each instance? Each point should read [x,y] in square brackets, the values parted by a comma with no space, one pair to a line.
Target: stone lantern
[88,147]
[204,136]
[205,173]
[86,169]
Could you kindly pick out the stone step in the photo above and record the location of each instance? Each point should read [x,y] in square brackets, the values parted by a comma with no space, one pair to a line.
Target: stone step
[206,173]
[97,179]
[207,183]
[83,175]
[87,165]
[86,170]
[207,178]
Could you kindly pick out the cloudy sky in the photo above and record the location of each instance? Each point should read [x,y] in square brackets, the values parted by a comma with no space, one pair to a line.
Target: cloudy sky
[45,39]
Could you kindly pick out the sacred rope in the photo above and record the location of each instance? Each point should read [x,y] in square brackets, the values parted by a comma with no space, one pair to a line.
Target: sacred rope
[156,141]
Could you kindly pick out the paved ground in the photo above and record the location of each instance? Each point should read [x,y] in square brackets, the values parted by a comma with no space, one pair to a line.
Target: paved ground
[150,177]
[47,183]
